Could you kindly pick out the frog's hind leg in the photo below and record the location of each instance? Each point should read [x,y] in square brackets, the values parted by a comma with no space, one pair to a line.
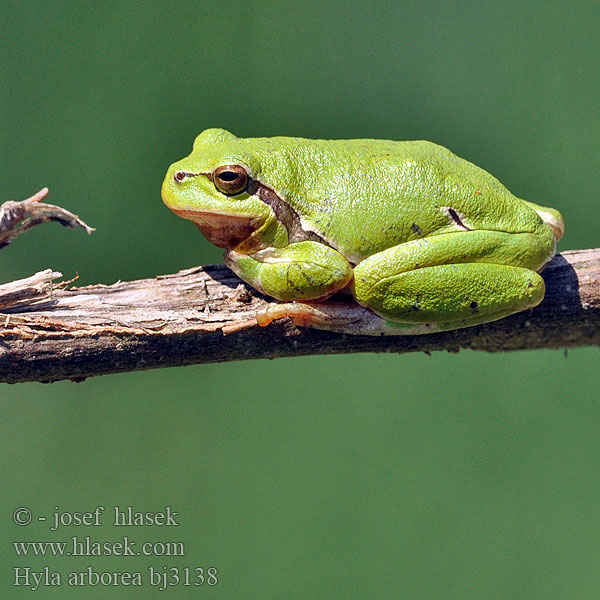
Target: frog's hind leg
[453,296]
[452,280]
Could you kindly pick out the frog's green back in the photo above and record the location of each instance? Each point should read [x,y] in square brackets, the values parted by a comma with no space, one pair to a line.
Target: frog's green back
[363,196]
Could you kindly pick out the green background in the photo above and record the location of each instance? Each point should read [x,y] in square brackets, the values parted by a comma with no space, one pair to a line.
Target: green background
[366,476]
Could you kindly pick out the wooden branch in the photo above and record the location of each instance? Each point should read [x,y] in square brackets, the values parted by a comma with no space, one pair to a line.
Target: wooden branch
[18,217]
[206,314]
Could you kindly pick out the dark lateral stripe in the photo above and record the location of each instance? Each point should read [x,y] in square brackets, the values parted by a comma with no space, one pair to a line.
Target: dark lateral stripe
[285,214]
[454,215]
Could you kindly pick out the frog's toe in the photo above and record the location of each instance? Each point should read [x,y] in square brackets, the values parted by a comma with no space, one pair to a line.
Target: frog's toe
[318,315]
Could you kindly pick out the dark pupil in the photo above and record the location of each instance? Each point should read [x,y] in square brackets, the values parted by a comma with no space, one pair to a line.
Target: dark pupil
[228,176]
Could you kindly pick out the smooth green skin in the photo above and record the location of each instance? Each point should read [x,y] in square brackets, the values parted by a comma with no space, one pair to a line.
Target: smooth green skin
[425,239]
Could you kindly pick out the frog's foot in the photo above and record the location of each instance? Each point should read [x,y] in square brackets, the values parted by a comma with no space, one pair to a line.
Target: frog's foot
[344,317]
[356,320]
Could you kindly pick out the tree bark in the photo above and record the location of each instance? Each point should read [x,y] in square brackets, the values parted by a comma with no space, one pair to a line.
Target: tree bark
[206,314]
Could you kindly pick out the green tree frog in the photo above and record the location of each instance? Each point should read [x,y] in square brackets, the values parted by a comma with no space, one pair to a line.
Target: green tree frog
[423,240]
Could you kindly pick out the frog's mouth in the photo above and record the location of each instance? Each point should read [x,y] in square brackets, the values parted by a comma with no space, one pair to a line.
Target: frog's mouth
[225,231]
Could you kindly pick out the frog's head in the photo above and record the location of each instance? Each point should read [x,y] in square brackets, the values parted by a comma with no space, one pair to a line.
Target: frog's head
[214,188]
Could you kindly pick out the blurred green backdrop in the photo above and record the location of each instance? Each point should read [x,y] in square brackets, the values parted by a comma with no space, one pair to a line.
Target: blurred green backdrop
[450,476]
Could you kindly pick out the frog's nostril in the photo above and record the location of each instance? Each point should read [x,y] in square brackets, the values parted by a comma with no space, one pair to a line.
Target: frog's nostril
[179,176]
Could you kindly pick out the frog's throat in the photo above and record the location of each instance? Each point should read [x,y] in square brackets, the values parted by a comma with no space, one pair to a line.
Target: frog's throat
[225,231]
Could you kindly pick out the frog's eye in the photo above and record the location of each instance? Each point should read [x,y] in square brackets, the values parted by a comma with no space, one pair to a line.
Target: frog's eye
[230,179]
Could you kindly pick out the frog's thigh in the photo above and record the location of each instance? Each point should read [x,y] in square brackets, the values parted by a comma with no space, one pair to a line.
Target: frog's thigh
[300,271]
[406,286]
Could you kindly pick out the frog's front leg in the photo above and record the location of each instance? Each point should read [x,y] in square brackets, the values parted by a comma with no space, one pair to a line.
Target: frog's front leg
[304,270]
